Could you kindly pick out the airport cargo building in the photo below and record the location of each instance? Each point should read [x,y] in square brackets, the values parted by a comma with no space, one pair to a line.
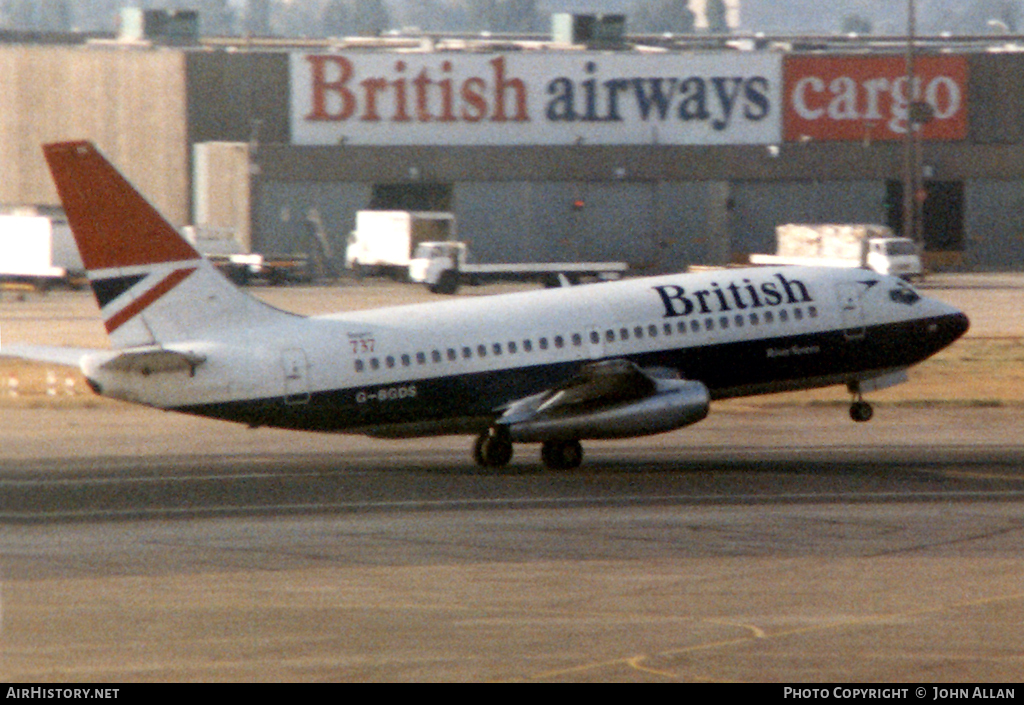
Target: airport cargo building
[663,153]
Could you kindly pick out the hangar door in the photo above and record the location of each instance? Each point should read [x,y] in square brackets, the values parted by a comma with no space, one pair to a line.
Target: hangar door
[616,222]
[557,221]
[942,214]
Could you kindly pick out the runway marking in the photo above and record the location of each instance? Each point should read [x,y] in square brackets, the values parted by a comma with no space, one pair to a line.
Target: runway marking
[508,503]
[970,475]
[757,632]
[636,661]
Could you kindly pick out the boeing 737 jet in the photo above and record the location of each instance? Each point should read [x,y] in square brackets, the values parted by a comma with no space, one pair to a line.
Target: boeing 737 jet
[555,367]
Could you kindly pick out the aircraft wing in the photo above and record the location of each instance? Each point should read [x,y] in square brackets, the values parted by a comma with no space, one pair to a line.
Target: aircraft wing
[608,399]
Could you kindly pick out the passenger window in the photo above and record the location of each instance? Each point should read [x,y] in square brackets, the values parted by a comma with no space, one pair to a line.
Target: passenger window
[359,366]
[512,347]
[559,341]
[723,322]
[623,334]
[374,363]
[798,314]
[812,311]
[595,337]
[754,320]
[406,360]
[452,355]
[609,335]
[783,316]
[389,361]
[769,317]
[652,331]
[528,345]
[577,339]
[709,324]
[682,328]
[497,348]
[481,350]
[421,358]
[638,332]
[739,320]
[543,343]
[668,328]
[695,326]
[467,352]
[435,356]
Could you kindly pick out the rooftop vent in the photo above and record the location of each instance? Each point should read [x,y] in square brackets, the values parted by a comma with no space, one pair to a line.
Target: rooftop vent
[159,26]
[594,31]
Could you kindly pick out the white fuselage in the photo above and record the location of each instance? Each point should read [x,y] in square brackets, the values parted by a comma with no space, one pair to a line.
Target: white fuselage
[738,331]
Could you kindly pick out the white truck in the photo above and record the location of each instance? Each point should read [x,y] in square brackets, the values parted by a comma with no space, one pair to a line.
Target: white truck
[444,266]
[873,247]
[384,241]
[38,250]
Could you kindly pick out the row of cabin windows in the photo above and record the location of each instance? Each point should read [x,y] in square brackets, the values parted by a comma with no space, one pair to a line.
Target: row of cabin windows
[652,330]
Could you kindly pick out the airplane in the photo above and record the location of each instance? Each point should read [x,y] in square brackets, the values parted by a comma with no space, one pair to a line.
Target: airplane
[615,359]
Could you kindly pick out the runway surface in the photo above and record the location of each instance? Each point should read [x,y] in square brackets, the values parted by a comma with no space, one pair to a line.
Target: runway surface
[767,543]
[760,545]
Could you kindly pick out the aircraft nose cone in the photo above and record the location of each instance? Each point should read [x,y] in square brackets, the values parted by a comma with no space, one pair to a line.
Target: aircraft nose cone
[952,326]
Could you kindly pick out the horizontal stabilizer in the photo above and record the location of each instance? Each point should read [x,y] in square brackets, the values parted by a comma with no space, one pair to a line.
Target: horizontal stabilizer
[72,357]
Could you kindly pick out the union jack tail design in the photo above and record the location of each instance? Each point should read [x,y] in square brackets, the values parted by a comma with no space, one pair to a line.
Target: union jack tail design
[151,285]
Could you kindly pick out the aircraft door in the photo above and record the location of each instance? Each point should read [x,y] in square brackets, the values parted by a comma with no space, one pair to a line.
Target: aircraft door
[296,383]
[851,310]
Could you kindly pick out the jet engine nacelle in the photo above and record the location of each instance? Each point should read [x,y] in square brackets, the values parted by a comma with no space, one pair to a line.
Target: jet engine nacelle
[675,404]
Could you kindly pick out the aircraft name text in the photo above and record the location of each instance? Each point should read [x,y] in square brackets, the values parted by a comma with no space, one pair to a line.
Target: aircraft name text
[733,296]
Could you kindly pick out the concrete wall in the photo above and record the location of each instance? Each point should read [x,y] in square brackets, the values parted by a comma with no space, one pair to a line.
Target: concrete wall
[994,223]
[237,96]
[131,103]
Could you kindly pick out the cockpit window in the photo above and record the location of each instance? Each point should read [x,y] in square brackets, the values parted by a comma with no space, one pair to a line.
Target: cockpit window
[903,294]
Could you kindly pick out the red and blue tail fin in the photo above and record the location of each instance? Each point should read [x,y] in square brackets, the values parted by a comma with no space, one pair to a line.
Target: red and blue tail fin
[151,285]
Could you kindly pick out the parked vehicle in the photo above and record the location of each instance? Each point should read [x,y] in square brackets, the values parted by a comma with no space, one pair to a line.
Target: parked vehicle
[873,247]
[384,241]
[444,266]
[222,248]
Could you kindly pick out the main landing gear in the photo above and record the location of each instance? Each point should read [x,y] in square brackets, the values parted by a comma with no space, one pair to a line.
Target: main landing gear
[860,410]
[561,455]
[493,449]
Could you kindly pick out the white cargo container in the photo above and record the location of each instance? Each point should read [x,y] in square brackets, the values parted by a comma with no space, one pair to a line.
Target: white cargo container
[38,250]
[873,247]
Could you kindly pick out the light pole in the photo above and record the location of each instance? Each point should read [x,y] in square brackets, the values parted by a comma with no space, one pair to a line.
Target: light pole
[909,146]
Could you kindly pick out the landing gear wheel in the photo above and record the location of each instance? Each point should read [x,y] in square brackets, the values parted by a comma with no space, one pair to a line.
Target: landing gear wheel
[493,449]
[861,411]
[561,455]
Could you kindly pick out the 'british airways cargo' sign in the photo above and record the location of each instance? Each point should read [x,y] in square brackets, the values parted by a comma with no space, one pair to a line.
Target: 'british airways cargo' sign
[544,98]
